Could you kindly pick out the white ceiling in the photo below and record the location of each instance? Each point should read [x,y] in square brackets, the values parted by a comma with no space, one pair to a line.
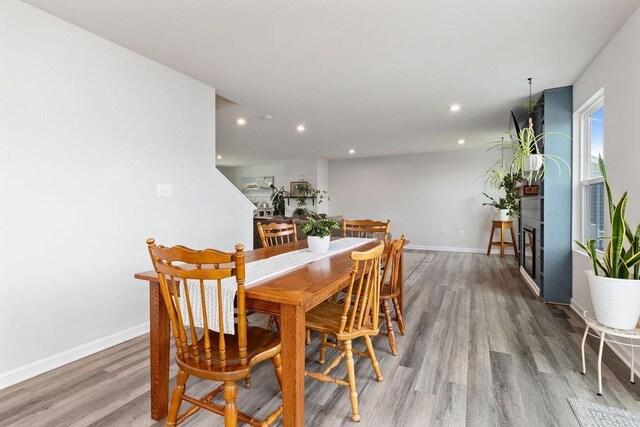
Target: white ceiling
[374,75]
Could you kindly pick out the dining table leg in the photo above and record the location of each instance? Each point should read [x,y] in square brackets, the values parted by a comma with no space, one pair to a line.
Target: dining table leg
[159,344]
[292,336]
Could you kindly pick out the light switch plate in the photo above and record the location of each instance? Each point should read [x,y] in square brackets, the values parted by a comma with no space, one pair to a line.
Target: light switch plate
[165,190]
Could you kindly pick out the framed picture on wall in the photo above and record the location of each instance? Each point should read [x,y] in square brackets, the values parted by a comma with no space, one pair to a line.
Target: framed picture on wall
[256,188]
[299,188]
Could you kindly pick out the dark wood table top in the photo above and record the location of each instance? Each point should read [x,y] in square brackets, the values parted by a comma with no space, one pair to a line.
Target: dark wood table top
[306,286]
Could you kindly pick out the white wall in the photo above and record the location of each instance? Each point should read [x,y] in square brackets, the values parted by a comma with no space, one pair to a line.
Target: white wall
[87,130]
[422,194]
[322,183]
[616,69]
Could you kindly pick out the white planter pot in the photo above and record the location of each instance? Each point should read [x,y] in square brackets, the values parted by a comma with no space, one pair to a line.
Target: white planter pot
[532,162]
[318,244]
[616,302]
[503,214]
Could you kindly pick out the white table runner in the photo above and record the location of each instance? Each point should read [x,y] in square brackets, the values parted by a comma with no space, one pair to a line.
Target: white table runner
[254,272]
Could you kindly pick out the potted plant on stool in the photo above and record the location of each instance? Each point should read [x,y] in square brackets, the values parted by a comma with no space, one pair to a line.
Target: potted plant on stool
[614,282]
[500,204]
[318,231]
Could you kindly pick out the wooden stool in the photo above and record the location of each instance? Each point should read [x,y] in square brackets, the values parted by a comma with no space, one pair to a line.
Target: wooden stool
[502,225]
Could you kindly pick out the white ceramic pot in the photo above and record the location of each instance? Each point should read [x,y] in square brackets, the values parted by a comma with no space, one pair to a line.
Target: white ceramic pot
[503,214]
[616,302]
[532,162]
[318,244]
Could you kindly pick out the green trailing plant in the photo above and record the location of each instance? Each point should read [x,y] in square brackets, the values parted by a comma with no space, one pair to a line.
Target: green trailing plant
[501,203]
[277,200]
[511,186]
[307,190]
[319,227]
[618,261]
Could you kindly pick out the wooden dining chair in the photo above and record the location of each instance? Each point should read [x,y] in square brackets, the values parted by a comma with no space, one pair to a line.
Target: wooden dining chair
[366,228]
[201,352]
[356,317]
[277,233]
[391,283]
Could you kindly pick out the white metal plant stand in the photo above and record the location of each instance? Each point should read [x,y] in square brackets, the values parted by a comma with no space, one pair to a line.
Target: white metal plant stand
[603,331]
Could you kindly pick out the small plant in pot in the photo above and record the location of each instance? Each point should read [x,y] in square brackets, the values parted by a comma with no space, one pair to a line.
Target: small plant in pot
[501,205]
[614,282]
[318,231]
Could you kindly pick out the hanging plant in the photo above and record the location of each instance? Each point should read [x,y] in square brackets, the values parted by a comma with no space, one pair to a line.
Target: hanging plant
[494,176]
[521,154]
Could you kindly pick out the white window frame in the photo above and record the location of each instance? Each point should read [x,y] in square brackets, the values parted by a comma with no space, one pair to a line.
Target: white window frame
[585,112]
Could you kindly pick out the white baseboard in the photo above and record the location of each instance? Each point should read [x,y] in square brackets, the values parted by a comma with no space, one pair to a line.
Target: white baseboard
[41,366]
[453,249]
[529,281]
[622,351]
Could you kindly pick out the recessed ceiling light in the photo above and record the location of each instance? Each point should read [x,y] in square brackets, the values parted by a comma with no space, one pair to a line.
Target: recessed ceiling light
[300,128]
[219,157]
[461,141]
[241,121]
[455,107]
[352,151]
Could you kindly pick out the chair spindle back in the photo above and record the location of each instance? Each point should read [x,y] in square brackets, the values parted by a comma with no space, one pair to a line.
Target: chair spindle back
[175,267]
[277,233]
[392,266]
[361,306]
[366,228]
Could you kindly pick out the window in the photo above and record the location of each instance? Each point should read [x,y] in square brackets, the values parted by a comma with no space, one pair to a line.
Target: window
[592,183]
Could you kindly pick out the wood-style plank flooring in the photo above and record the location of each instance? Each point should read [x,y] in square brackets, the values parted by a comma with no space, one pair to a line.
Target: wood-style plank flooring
[480,351]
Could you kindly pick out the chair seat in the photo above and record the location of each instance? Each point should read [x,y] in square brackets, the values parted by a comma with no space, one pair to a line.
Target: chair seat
[262,344]
[325,318]
[385,292]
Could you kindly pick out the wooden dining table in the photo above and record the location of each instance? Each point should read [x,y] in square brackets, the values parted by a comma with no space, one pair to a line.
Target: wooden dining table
[289,295]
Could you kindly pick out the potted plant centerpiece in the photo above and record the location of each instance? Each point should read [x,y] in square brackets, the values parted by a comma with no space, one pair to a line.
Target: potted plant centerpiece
[501,205]
[614,282]
[318,231]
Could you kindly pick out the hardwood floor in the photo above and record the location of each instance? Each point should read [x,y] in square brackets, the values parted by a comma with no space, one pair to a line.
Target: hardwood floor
[479,351]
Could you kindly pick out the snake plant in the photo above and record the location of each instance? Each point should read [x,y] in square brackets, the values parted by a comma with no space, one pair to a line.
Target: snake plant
[618,261]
